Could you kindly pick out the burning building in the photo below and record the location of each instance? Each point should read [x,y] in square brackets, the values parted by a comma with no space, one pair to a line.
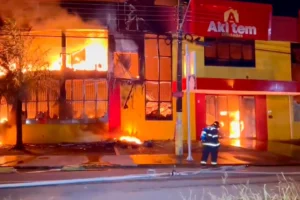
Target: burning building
[119,78]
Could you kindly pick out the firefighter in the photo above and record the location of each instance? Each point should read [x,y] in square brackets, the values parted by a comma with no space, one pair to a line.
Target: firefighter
[210,142]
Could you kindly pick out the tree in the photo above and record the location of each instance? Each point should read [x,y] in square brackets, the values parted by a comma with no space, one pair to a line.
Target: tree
[23,69]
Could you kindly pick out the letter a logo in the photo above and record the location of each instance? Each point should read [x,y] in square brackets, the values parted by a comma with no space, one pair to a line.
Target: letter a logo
[231,16]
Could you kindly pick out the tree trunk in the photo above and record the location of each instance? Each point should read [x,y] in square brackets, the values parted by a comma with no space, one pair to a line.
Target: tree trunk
[19,140]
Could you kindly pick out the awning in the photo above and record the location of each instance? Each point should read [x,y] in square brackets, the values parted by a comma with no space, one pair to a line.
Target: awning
[243,87]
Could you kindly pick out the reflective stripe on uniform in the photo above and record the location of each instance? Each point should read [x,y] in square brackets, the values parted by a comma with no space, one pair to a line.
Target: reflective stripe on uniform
[213,136]
[211,144]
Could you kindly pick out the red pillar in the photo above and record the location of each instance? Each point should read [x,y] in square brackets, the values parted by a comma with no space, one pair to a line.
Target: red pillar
[114,108]
[261,118]
[200,106]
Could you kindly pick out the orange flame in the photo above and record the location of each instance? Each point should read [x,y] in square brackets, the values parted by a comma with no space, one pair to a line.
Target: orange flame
[130,139]
[83,53]
[96,57]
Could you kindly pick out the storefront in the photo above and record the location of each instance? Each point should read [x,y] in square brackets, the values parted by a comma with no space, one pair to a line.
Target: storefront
[243,78]
[258,109]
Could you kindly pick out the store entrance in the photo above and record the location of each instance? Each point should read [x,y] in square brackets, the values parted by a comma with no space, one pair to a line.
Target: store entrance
[236,115]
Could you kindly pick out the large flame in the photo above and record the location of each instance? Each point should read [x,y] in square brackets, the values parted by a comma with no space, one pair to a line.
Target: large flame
[91,56]
[236,125]
[85,50]
[130,139]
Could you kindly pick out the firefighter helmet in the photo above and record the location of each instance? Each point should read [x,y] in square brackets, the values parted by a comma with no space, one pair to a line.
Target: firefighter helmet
[216,124]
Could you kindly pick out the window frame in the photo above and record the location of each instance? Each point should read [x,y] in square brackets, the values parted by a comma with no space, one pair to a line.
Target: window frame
[231,62]
[158,117]
[70,99]
[293,53]
[295,63]
[84,100]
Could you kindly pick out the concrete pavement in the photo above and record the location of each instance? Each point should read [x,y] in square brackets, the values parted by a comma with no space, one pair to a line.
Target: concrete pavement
[48,175]
[95,156]
[171,188]
[124,161]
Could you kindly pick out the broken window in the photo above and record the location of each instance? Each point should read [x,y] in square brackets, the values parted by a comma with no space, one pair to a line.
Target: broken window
[158,74]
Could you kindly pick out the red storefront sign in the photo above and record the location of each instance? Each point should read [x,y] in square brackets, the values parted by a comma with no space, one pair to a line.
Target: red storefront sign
[216,18]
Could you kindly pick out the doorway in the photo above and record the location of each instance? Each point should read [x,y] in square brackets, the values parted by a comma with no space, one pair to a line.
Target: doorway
[236,115]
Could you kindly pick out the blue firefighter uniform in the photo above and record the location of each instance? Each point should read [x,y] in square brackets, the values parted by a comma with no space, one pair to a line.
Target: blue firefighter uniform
[210,142]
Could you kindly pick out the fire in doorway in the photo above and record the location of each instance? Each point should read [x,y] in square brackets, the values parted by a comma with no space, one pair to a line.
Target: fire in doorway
[236,125]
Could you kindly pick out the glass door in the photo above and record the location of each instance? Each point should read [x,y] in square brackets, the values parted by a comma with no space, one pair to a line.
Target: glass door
[247,110]
[236,115]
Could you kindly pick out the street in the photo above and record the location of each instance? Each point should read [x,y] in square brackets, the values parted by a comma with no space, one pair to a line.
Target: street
[175,187]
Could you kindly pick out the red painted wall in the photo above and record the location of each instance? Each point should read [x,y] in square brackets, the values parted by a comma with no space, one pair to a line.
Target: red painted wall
[261,118]
[200,106]
[114,108]
[243,85]
[284,28]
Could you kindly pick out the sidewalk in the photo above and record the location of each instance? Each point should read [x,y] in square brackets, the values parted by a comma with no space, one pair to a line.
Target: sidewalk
[24,162]
[82,157]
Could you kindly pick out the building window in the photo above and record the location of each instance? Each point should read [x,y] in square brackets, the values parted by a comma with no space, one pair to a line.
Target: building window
[41,105]
[88,99]
[295,65]
[229,52]
[126,65]
[158,74]
[5,111]
[295,61]
[87,102]
[296,109]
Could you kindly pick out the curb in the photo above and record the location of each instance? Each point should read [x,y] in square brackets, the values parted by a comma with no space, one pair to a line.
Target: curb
[73,168]
[84,167]
[7,170]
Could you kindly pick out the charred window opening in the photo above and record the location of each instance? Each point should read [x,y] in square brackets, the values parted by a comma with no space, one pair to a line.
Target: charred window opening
[158,75]
[229,52]
[126,65]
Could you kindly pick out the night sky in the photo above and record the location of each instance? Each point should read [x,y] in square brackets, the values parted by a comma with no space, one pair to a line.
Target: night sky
[281,7]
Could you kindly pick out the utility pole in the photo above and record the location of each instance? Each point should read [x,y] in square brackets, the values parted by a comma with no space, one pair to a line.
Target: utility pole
[179,126]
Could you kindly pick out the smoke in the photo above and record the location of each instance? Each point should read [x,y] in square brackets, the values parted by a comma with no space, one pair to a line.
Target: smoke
[40,16]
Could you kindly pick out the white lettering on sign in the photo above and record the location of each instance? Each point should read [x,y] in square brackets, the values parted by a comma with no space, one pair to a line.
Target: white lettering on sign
[230,26]
[220,27]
